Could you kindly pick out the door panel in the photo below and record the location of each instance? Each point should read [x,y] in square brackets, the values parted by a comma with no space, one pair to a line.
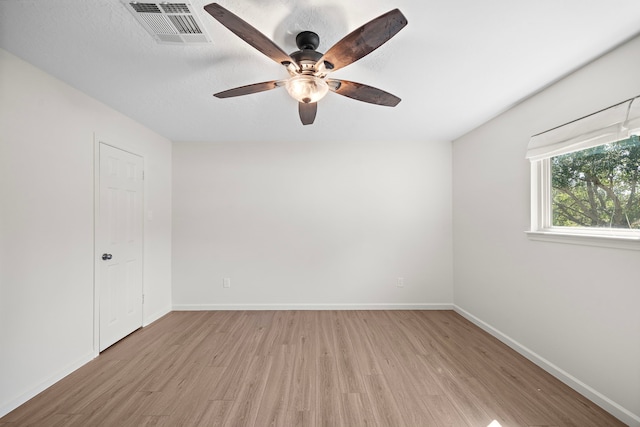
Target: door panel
[119,236]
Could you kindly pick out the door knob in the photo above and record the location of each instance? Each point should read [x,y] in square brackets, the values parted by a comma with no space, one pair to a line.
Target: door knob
[106,257]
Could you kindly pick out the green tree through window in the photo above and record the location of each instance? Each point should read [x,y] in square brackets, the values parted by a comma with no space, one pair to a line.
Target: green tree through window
[598,187]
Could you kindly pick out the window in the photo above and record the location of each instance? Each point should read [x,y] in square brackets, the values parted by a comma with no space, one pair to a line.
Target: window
[585,179]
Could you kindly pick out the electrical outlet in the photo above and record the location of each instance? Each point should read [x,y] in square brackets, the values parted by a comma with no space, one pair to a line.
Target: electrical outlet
[400,282]
[226,282]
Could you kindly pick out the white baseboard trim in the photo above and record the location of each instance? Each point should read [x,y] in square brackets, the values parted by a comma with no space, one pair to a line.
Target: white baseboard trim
[12,404]
[243,307]
[598,398]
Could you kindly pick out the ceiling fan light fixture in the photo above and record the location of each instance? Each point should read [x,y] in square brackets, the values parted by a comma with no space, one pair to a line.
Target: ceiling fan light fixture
[307,88]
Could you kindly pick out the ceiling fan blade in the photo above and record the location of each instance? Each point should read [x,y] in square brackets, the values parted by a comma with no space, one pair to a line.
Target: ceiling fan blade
[248,33]
[249,89]
[362,92]
[307,112]
[364,40]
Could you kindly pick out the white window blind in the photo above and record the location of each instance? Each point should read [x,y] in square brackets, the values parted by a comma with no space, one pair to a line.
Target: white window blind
[612,124]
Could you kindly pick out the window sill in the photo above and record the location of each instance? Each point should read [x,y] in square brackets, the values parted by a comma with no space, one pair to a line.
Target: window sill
[603,241]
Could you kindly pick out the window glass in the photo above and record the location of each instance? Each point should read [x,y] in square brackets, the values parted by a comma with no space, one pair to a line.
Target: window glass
[597,187]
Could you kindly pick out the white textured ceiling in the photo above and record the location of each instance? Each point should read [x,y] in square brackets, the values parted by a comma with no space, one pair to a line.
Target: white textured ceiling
[457,64]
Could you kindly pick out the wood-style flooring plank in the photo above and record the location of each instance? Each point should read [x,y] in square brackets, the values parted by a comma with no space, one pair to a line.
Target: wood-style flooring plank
[310,369]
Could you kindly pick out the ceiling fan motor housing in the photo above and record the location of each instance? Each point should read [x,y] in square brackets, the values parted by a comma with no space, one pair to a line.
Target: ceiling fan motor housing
[306,59]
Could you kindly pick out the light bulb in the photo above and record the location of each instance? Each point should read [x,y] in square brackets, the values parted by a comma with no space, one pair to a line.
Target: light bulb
[307,88]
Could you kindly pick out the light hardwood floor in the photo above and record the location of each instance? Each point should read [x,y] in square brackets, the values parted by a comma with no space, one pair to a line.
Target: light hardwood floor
[310,368]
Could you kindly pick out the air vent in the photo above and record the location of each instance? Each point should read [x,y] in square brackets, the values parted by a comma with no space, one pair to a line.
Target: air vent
[173,23]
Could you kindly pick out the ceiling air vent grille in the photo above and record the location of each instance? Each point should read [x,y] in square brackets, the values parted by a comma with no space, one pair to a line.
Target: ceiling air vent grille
[169,22]
[146,7]
[175,8]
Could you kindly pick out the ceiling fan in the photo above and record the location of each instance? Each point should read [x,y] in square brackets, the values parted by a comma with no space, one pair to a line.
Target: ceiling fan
[308,69]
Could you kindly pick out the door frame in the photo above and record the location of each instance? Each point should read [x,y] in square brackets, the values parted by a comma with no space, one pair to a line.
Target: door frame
[97,140]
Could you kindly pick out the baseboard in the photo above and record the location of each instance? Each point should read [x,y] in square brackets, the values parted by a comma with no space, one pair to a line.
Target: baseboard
[598,398]
[12,404]
[222,307]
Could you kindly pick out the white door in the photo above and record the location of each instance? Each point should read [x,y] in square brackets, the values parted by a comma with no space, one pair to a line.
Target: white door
[119,247]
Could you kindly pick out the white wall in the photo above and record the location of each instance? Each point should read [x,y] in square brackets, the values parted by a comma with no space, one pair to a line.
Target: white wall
[577,307]
[46,225]
[332,224]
